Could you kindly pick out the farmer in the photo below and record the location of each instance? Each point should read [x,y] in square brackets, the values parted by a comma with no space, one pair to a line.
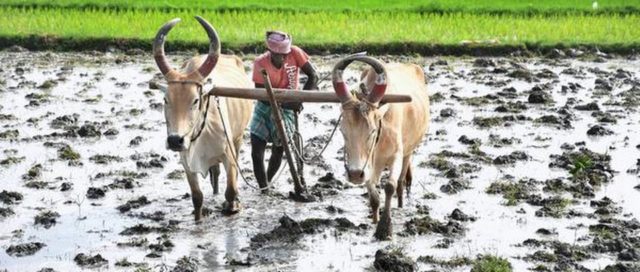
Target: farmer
[283,62]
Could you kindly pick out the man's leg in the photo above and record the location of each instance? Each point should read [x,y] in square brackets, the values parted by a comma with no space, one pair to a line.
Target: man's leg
[275,161]
[257,156]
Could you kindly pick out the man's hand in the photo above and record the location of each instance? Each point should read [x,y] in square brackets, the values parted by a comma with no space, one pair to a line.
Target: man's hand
[312,77]
[296,106]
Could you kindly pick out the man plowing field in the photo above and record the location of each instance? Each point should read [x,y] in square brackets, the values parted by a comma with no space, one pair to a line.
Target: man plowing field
[283,62]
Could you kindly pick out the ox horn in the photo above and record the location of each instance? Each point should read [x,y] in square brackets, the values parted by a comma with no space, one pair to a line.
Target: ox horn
[379,87]
[214,48]
[158,46]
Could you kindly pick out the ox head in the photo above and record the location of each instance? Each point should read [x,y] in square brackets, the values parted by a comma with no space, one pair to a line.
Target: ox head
[361,116]
[184,100]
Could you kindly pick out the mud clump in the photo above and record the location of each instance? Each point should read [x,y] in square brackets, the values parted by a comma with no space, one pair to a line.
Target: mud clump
[89,130]
[593,106]
[9,134]
[511,158]
[140,229]
[22,250]
[455,185]
[290,231]
[90,261]
[65,121]
[522,74]
[68,154]
[622,267]
[111,132]
[552,206]
[136,141]
[585,166]
[598,130]
[494,121]
[539,97]
[565,256]
[616,236]
[153,163]
[5,212]
[605,207]
[33,173]
[134,204]
[46,218]
[451,263]
[458,215]
[10,198]
[105,159]
[123,183]
[446,113]
[329,182]
[426,224]
[511,107]
[95,193]
[514,192]
[469,141]
[186,264]
[394,261]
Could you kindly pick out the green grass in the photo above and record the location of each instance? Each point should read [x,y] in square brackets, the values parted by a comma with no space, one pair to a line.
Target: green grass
[319,28]
[489,263]
[337,5]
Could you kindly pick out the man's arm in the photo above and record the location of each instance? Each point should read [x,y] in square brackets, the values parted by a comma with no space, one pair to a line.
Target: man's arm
[312,75]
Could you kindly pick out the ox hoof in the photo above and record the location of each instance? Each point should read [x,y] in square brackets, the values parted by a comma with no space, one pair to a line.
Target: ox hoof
[231,208]
[384,229]
[302,197]
[202,213]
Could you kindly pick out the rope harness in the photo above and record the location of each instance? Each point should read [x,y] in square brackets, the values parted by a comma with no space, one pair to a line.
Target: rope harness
[363,106]
[232,148]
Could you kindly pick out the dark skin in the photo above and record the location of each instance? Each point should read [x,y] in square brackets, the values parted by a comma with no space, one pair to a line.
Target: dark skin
[258,145]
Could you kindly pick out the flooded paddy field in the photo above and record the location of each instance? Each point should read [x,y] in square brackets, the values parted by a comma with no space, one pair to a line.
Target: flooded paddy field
[533,160]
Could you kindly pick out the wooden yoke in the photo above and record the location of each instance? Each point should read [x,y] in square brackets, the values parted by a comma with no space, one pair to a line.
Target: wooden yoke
[285,95]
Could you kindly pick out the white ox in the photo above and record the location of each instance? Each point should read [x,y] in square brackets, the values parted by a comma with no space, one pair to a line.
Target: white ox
[379,136]
[194,126]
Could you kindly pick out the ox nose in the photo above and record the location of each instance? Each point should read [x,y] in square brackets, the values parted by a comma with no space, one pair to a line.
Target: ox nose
[356,176]
[175,142]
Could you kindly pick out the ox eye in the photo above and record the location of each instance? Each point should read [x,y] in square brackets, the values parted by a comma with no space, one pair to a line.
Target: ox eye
[195,102]
[166,101]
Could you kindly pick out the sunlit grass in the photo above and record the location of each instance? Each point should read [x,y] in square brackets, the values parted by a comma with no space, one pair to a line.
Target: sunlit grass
[337,5]
[317,28]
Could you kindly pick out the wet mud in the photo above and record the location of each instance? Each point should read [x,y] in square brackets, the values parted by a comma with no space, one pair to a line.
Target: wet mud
[529,164]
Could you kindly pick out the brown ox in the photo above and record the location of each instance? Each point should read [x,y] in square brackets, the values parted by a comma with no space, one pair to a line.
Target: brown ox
[382,136]
[194,126]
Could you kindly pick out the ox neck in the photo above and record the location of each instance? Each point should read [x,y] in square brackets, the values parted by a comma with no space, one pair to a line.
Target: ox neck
[203,122]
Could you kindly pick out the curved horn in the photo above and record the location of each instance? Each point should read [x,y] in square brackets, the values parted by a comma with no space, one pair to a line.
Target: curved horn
[158,46]
[214,48]
[379,87]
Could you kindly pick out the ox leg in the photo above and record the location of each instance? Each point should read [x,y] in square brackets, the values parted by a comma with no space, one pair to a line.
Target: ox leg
[384,229]
[232,204]
[214,175]
[196,195]
[406,162]
[374,196]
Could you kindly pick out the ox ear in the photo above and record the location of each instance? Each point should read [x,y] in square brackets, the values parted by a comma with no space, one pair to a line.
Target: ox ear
[163,88]
[154,85]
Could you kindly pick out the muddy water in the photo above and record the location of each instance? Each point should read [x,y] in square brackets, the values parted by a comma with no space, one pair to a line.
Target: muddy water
[113,92]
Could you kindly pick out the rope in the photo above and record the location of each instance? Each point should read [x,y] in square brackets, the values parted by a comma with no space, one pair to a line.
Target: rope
[233,151]
[299,153]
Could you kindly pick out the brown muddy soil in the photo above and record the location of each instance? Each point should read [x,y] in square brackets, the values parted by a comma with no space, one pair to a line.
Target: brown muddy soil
[533,160]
